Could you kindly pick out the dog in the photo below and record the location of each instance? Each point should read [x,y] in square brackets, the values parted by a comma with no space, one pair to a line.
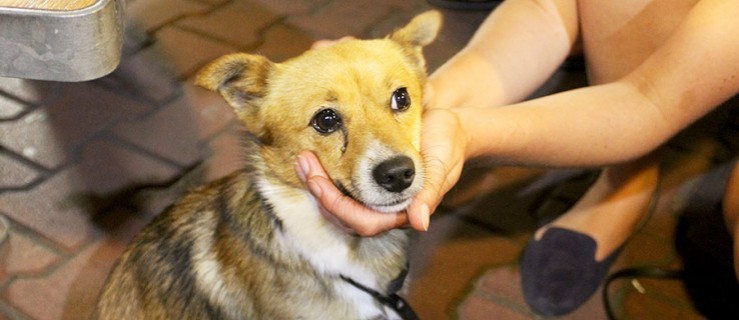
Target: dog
[253,245]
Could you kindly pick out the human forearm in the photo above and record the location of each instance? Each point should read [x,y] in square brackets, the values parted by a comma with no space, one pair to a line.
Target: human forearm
[585,127]
[513,52]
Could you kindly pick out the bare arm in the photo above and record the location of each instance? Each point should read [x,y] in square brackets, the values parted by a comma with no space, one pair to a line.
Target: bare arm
[692,73]
[514,51]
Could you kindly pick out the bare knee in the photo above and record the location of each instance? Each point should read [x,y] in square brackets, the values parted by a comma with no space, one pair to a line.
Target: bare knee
[731,211]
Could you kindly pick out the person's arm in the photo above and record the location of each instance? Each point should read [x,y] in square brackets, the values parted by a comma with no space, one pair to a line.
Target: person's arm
[693,72]
[515,50]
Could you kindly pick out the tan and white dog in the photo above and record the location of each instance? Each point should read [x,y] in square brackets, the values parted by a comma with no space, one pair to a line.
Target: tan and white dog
[253,245]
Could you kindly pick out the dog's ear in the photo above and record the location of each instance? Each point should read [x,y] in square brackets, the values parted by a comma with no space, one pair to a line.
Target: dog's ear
[418,33]
[242,80]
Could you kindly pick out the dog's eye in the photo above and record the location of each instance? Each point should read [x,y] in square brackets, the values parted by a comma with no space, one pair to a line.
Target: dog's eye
[400,101]
[326,121]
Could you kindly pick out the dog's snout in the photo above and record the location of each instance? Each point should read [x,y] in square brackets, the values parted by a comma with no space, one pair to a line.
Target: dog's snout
[396,174]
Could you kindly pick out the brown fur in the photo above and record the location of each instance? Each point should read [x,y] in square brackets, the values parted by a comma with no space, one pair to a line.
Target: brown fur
[253,245]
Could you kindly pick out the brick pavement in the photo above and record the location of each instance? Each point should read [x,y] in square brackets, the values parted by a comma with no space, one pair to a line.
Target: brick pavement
[85,165]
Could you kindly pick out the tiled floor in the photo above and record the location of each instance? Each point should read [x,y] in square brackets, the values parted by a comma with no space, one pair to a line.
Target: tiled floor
[83,166]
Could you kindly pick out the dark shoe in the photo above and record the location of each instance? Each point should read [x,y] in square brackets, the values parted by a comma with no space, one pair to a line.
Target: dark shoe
[465,4]
[559,272]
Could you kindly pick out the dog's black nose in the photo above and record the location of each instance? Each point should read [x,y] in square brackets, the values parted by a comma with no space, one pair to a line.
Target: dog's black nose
[396,174]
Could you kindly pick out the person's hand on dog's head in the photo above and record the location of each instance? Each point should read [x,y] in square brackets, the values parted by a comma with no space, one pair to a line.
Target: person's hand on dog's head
[443,146]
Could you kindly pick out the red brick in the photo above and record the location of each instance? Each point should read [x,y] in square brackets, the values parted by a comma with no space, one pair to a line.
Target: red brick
[448,258]
[58,208]
[479,308]
[237,23]
[30,91]
[24,256]
[656,306]
[227,154]
[342,18]
[211,112]
[170,133]
[503,282]
[143,76]
[82,110]
[9,108]
[49,210]
[282,42]
[291,7]
[33,136]
[106,168]
[14,173]
[150,15]
[185,51]
[71,291]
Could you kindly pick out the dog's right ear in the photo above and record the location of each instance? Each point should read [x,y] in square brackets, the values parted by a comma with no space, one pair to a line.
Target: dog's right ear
[241,79]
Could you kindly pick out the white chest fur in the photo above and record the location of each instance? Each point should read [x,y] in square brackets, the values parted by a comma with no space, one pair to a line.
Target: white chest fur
[326,247]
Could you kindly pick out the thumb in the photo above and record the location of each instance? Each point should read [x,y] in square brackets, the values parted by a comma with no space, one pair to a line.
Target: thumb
[426,201]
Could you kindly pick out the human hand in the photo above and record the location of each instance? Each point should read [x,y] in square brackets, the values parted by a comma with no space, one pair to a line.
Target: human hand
[343,211]
[443,146]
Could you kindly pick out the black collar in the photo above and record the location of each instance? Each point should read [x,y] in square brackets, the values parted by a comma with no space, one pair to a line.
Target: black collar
[392,299]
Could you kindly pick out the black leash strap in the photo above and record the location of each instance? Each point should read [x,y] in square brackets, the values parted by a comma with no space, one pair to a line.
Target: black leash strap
[393,301]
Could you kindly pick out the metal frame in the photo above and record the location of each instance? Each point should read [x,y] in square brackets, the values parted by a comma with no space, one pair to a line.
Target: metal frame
[73,45]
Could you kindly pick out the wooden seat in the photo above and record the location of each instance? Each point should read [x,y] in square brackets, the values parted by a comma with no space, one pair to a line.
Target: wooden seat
[48,4]
[60,40]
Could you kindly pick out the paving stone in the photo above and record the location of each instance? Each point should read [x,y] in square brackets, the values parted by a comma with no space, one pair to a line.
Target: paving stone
[658,305]
[227,154]
[290,7]
[84,110]
[185,52]
[503,283]
[135,38]
[48,135]
[107,168]
[61,207]
[213,2]
[211,112]
[49,209]
[9,108]
[143,76]
[238,23]
[24,256]
[282,42]
[339,18]
[479,308]
[34,138]
[14,173]
[448,258]
[30,91]
[71,291]
[170,133]
[151,15]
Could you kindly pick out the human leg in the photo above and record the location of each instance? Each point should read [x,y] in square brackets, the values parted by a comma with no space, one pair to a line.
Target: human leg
[567,259]
[731,212]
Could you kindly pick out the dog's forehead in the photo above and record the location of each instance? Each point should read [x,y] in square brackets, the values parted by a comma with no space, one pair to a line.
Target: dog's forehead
[370,58]
[364,67]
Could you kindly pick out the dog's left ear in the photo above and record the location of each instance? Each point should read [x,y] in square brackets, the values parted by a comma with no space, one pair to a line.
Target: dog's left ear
[418,33]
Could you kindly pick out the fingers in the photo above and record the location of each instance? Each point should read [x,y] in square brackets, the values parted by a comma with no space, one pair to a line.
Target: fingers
[340,209]
[442,146]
